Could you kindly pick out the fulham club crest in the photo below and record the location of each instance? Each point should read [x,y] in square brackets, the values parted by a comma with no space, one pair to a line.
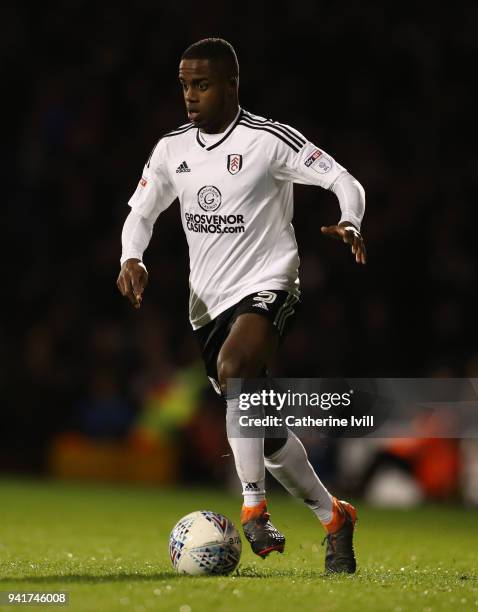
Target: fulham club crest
[234,163]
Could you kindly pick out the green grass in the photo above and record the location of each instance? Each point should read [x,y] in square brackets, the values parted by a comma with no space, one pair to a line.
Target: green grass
[108,547]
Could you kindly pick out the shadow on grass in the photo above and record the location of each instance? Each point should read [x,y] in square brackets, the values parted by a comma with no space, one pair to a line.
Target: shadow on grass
[243,572]
[253,572]
[93,579]
[296,573]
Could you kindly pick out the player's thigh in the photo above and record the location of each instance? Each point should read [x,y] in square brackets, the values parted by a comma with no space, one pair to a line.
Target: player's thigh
[250,345]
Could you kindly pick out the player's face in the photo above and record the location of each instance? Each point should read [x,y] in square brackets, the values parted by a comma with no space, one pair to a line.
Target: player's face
[207,91]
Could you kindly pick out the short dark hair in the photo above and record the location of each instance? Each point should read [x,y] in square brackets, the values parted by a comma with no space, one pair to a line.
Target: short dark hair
[215,49]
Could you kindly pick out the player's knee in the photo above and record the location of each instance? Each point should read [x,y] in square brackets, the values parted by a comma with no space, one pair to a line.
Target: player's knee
[231,366]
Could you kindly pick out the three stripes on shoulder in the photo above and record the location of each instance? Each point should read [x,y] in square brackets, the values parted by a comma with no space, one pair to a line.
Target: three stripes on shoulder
[289,136]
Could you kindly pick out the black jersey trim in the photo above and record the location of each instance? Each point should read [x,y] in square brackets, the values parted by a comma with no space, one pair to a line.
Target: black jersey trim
[295,136]
[298,140]
[199,140]
[274,127]
[226,135]
[275,133]
[178,131]
[151,154]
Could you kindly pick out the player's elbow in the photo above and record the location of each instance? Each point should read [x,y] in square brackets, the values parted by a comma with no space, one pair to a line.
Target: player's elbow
[360,189]
[347,182]
[350,193]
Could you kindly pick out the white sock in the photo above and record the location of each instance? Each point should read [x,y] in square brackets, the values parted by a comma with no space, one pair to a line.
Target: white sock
[248,456]
[290,466]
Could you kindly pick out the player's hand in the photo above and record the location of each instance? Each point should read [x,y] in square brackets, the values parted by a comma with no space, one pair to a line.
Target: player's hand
[349,236]
[132,281]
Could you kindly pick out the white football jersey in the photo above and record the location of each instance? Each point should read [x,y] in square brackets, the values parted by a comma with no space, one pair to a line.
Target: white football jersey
[236,198]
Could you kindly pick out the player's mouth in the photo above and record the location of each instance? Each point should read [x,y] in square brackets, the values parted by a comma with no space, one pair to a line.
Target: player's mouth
[193,115]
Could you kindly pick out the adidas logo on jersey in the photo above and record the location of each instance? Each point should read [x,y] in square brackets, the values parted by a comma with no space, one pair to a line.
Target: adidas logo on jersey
[183,167]
[260,305]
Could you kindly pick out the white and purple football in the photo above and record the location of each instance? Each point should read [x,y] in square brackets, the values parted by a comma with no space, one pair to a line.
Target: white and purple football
[204,542]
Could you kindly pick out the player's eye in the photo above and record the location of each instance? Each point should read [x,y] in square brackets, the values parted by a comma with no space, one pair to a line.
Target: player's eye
[203,86]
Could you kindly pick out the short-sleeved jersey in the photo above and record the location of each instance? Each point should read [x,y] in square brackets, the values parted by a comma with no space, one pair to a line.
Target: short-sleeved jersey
[236,198]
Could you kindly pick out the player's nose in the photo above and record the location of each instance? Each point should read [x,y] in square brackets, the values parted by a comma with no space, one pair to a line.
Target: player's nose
[190,96]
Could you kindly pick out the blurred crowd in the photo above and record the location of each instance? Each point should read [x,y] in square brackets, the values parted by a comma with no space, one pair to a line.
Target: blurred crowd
[93,87]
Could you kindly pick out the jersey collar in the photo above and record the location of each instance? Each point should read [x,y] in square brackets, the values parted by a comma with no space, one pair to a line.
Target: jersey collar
[221,140]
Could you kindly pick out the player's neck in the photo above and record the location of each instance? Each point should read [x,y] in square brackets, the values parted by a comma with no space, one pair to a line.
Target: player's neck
[224,122]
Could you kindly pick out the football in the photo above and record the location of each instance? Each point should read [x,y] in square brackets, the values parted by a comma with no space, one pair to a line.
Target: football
[204,542]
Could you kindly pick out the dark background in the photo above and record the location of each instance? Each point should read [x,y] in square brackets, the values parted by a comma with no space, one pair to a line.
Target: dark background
[90,87]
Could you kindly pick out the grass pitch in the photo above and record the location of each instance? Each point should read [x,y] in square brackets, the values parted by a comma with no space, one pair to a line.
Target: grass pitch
[108,547]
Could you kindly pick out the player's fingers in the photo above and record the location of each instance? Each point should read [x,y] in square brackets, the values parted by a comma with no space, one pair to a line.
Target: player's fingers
[355,240]
[129,293]
[123,285]
[137,285]
[359,246]
[119,284]
[363,253]
[144,278]
[348,237]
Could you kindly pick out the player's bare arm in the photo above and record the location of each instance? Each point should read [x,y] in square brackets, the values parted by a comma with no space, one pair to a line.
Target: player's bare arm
[132,281]
[348,233]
